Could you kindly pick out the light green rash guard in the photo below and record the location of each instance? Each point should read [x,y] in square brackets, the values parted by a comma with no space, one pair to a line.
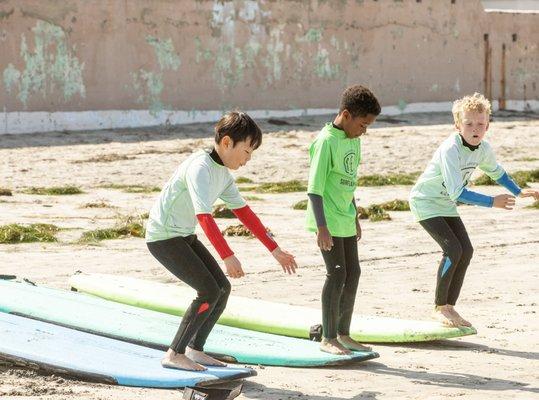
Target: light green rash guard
[197,183]
[436,191]
[334,160]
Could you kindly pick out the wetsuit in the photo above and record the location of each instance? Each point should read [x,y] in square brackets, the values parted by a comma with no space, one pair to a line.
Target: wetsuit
[186,200]
[433,202]
[334,160]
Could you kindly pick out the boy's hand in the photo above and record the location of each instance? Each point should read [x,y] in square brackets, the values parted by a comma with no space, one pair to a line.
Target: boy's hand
[323,237]
[358,230]
[530,193]
[286,260]
[505,201]
[233,267]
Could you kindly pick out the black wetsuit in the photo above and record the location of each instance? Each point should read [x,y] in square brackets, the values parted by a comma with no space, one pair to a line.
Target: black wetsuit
[188,259]
[450,233]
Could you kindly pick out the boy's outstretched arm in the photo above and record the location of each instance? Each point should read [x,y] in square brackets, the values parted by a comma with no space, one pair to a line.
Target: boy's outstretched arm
[253,223]
[507,182]
[505,201]
[214,235]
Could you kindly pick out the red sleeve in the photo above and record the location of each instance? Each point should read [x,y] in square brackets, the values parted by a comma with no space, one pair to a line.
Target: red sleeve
[214,235]
[252,222]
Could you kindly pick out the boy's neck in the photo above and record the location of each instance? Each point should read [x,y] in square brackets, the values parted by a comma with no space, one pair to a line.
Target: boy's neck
[337,122]
[214,154]
[468,145]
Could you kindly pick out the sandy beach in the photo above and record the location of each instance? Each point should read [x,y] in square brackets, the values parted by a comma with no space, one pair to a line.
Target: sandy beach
[398,258]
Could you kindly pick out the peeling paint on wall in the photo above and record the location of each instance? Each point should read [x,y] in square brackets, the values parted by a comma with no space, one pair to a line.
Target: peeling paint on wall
[148,84]
[164,50]
[51,65]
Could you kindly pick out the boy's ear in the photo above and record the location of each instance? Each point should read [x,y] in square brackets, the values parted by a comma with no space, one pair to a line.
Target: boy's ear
[346,114]
[226,141]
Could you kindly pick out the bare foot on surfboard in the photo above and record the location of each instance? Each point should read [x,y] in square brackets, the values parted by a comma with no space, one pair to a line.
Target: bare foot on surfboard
[202,358]
[461,321]
[180,361]
[444,315]
[352,344]
[333,346]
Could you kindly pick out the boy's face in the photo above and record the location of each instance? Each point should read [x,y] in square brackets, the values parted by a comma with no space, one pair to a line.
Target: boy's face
[354,127]
[236,156]
[473,126]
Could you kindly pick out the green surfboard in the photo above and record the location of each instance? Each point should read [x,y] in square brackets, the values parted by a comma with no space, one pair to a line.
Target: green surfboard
[259,315]
[154,329]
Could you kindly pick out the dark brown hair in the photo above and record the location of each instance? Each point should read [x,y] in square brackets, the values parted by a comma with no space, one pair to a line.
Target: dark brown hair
[359,101]
[239,127]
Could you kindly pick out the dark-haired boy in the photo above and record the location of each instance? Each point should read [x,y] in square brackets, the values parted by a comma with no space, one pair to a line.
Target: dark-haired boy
[332,212]
[188,198]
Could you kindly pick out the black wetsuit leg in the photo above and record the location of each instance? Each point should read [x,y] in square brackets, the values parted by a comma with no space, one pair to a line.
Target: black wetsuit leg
[340,287]
[188,259]
[451,235]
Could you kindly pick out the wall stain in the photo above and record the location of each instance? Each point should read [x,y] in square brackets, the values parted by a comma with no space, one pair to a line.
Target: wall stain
[50,66]
[149,84]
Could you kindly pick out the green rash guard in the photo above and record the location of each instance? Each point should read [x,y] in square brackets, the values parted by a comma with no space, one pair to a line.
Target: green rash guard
[197,183]
[334,160]
[448,173]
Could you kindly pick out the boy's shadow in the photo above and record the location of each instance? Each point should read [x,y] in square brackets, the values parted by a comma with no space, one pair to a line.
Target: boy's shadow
[451,379]
[457,380]
[466,346]
[254,390]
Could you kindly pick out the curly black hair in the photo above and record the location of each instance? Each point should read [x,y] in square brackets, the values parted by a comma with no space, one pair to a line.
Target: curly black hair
[239,127]
[359,101]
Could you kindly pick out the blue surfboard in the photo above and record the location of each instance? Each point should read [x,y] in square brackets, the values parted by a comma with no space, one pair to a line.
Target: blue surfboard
[96,358]
[154,329]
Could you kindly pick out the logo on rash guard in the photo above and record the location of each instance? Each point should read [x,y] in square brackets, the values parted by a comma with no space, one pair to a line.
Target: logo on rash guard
[203,308]
[349,163]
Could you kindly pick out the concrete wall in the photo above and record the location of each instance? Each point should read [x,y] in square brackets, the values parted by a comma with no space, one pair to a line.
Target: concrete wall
[68,61]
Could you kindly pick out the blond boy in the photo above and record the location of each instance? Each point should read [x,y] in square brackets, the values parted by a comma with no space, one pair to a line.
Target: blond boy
[434,198]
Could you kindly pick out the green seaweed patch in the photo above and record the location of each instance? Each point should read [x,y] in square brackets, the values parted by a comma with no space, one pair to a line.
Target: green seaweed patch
[373,213]
[105,158]
[253,198]
[282,187]
[522,178]
[248,188]
[300,205]
[16,233]
[240,230]
[534,205]
[100,204]
[243,179]
[221,211]
[53,191]
[132,188]
[126,227]
[395,205]
[387,180]
[5,192]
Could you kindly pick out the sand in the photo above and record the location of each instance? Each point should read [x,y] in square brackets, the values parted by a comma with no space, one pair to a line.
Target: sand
[398,259]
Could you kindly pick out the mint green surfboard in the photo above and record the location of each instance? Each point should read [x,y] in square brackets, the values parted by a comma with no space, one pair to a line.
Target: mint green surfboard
[154,329]
[259,315]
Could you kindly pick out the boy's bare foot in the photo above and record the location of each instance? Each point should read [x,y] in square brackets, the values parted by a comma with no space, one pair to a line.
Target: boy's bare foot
[461,321]
[180,361]
[202,358]
[333,346]
[444,315]
[351,344]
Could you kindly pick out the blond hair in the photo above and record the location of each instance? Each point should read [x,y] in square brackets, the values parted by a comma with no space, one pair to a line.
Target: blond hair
[476,102]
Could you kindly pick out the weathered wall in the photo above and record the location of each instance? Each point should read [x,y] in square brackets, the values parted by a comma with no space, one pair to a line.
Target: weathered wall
[79,55]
